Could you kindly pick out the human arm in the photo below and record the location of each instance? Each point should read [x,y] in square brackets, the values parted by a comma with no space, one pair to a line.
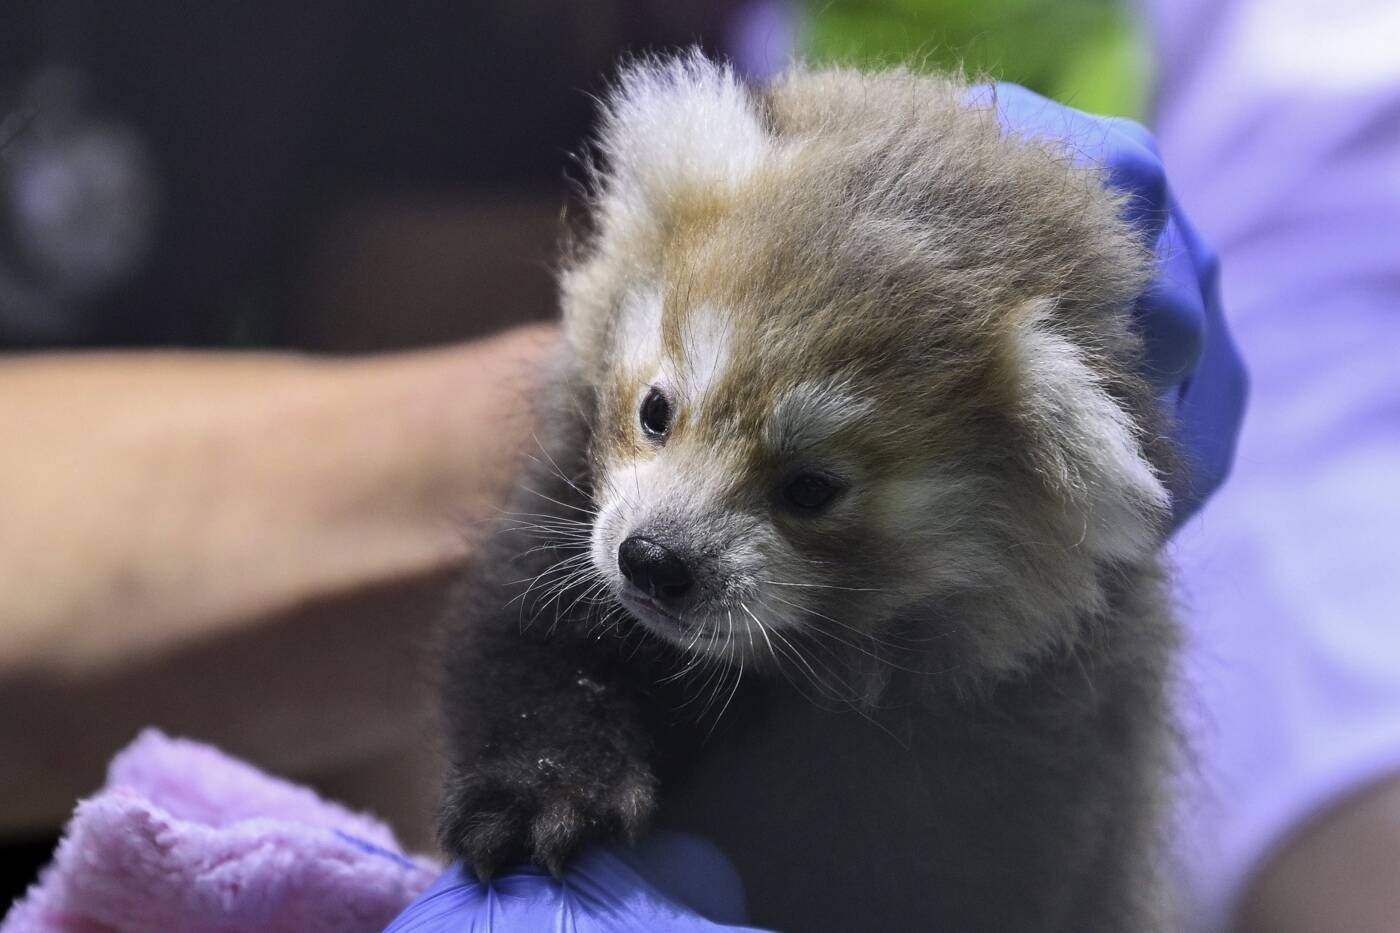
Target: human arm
[1336,873]
[249,548]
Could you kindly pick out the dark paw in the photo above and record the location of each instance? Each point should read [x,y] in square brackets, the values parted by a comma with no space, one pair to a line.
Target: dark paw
[500,814]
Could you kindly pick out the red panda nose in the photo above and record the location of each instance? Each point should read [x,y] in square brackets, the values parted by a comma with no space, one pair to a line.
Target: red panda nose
[653,568]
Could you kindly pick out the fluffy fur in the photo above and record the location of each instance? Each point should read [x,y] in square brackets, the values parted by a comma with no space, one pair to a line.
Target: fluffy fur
[936,699]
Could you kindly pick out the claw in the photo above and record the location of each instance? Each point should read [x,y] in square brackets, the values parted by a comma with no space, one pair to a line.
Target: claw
[495,821]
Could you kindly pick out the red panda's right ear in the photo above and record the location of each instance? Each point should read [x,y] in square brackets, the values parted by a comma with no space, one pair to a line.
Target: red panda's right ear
[673,127]
[1084,444]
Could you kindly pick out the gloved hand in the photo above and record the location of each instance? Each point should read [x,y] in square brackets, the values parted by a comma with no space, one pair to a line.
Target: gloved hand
[604,891]
[1190,357]
[1191,360]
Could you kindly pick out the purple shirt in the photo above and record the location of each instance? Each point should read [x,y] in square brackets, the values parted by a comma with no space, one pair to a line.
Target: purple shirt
[1279,122]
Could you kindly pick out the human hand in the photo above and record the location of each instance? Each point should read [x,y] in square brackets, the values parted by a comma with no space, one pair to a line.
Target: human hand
[178,526]
[664,885]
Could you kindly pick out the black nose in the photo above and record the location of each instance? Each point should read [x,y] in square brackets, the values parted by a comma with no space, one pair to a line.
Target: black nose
[652,568]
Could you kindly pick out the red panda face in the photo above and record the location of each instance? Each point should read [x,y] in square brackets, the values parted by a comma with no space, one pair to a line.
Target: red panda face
[854,358]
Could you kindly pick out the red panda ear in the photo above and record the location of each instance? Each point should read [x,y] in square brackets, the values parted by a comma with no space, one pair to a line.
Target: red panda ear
[1085,443]
[677,124]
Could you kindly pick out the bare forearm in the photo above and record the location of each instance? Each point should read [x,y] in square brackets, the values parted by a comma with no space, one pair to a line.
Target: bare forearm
[246,548]
[150,498]
[1342,872]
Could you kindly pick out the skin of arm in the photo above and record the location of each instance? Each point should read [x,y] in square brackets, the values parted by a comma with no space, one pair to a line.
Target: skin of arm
[243,547]
[1337,873]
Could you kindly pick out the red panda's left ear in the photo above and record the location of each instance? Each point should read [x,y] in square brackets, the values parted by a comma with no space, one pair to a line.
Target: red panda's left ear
[1084,442]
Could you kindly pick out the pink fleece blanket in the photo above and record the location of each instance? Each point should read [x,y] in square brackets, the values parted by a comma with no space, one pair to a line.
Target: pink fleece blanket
[184,838]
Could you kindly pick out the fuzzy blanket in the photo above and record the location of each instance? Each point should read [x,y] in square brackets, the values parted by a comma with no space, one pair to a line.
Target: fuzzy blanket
[182,837]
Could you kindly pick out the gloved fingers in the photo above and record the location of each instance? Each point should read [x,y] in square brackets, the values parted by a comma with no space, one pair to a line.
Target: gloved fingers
[1171,312]
[1135,168]
[1211,401]
[661,887]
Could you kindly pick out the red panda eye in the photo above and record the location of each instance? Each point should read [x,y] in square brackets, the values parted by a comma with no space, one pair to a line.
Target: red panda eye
[809,491]
[655,413]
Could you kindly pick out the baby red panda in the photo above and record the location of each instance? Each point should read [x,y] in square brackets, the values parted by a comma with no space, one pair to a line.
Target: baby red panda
[840,544]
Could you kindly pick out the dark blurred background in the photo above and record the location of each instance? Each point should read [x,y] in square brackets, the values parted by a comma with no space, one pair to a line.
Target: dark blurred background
[338,174]
[320,175]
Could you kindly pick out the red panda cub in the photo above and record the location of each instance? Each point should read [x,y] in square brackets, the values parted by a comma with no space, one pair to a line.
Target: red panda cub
[841,537]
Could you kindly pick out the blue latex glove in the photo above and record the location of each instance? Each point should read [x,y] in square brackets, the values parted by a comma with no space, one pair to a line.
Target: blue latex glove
[1190,356]
[1191,360]
[604,891]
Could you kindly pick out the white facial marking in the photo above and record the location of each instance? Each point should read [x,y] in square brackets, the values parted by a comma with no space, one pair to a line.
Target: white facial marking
[637,337]
[706,340]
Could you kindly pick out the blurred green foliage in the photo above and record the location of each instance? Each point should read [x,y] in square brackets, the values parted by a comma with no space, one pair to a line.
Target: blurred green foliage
[1086,53]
